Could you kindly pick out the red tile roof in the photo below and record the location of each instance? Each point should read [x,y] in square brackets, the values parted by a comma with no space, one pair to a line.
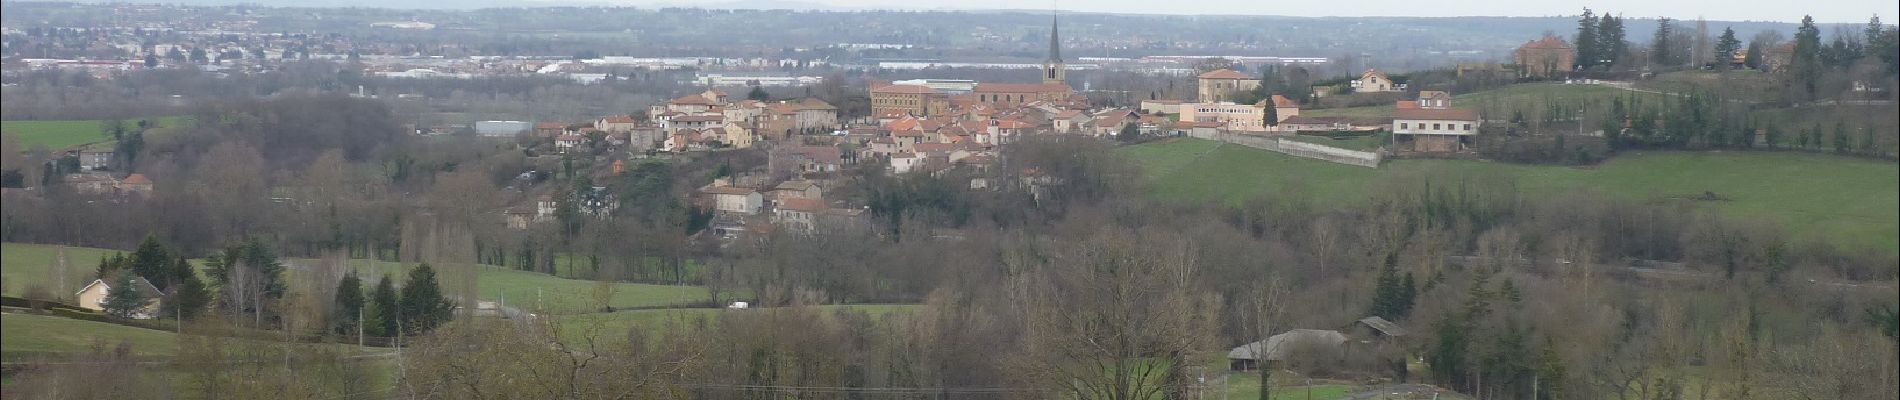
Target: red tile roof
[1548,42]
[813,103]
[136,179]
[1283,102]
[904,89]
[618,119]
[800,204]
[693,99]
[1437,114]
[1022,88]
[1224,73]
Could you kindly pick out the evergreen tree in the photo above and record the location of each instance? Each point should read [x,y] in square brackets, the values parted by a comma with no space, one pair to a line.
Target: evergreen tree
[1773,135]
[423,305]
[1752,60]
[152,262]
[1586,41]
[1725,48]
[349,304]
[1550,372]
[1807,55]
[1131,132]
[111,266]
[1662,50]
[189,295]
[758,94]
[1271,115]
[1447,355]
[1612,45]
[1408,295]
[1867,144]
[383,309]
[1842,143]
[124,299]
[1883,43]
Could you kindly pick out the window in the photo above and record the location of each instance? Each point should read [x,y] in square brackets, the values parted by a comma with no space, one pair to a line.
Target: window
[1403,125]
[1467,127]
[1437,127]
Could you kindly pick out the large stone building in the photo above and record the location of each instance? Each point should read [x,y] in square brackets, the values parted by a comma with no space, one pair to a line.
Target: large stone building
[1229,116]
[916,100]
[1219,85]
[1550,57]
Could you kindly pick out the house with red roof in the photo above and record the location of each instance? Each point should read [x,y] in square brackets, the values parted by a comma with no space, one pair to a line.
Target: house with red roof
[1549,57]
[1435,130]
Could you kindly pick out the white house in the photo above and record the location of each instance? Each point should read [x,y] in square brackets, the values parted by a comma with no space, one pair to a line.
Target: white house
[93,296]
[1434,129]
[733,199]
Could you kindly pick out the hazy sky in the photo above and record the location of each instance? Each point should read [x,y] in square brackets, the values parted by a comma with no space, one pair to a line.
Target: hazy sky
[1726,10]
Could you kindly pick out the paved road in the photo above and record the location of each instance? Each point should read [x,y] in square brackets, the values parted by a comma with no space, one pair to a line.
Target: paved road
[1397,391]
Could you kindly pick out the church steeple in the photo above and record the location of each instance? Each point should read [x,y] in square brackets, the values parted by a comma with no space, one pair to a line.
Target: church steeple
[1053,70]
[1055,41]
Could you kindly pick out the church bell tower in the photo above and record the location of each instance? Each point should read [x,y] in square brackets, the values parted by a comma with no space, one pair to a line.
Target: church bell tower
[1053,70]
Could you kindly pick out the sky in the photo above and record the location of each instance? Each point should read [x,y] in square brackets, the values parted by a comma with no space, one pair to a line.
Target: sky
[1828,11]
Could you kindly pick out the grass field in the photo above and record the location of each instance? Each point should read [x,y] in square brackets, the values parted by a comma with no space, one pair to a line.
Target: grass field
[1201,170]
[28,264]
[67,133]
[522,289]
[22,265]
[1849,200]
[41,334]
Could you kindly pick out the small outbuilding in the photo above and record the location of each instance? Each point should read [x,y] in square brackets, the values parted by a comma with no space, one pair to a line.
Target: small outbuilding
[1312,344]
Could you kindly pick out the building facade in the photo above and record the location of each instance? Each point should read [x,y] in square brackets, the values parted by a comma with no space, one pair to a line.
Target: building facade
[1219,85]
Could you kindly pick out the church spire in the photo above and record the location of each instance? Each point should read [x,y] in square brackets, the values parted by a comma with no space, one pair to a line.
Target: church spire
[1053,70]
[1055,40]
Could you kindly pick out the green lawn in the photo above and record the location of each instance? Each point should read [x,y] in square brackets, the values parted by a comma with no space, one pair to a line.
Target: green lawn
[22,265]
[1202,170]
[617,324]
[40,334]
[26,264]
[67,133]
[1849,200]
[530,290]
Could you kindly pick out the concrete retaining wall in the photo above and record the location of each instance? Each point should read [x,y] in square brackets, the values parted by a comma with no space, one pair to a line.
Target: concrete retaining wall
[1303,149]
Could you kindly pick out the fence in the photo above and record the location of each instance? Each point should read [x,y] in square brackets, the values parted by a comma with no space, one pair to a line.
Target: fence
[1302,149]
